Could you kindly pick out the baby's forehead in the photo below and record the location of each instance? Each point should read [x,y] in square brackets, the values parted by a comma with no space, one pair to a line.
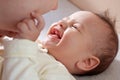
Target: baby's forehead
[83,16]
[87,17]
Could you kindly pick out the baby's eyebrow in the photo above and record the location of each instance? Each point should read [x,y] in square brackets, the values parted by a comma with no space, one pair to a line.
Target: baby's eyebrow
[66,18]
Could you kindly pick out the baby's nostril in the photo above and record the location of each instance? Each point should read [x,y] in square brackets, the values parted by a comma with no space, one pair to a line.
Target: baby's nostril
[61,25]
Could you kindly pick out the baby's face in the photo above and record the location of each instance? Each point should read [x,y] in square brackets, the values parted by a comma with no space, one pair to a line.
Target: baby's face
[12,11]
[72,38]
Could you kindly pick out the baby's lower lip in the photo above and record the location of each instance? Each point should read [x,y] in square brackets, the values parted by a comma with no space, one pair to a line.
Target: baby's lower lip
[54,37]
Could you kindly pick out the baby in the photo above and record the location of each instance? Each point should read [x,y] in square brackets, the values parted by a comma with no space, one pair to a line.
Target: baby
[84,43]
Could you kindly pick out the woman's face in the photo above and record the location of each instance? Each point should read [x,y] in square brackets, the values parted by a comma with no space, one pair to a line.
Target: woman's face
[13,11]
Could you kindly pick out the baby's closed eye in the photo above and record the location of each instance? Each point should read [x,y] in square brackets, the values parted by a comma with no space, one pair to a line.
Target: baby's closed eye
[76,28]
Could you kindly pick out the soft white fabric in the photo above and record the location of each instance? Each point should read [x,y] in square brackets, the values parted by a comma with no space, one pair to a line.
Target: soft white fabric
[24,60]
[112,73]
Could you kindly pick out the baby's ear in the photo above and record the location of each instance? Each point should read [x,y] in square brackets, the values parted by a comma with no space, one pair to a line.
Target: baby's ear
[88,64]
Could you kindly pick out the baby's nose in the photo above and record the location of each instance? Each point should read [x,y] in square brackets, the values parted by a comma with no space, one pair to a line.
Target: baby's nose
[62,24]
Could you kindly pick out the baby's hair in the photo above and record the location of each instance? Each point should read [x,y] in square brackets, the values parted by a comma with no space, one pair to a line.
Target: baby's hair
[106,51]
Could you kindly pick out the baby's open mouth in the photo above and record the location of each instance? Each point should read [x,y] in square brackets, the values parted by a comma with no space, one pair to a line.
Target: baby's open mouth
[56,33]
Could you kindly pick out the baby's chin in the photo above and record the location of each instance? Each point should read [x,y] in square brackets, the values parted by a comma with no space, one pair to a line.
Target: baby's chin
[48,43]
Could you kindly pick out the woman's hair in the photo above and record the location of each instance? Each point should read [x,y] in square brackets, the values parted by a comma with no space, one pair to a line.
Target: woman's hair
[107,49]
